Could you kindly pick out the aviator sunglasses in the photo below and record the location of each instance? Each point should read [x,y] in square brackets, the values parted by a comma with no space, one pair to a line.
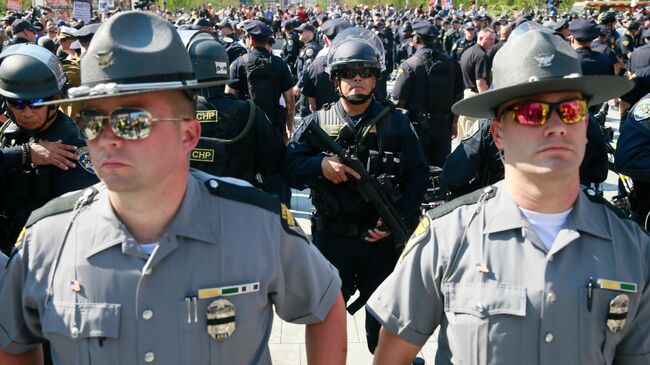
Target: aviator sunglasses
[536,113]
[126,123]
[22,104]
[350,73]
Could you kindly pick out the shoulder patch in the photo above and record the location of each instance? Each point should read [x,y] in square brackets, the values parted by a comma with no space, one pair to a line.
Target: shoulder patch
[309,52]
[400,72]
[84,159]
[59,205]
[420,234]
[289,223]
[625,42]
[642,110]
[243,194]
[472,131]
[468,199]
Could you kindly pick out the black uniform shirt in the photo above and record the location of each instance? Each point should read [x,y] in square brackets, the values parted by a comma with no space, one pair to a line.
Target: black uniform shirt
[594,63]
[475,64]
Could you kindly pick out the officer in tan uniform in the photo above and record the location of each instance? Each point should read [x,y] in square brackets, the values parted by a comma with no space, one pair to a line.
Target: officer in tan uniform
[535,269]
[159,263]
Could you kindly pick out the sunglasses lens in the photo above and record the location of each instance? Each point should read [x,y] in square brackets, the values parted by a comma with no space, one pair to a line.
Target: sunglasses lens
[90,122]
[531,113]
[352,73]
[131,123]
[21,104]
[573,111]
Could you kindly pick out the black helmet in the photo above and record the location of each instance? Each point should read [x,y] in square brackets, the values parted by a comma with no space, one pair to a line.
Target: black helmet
[607,17]
[356,47]
[209,58]
[28,71]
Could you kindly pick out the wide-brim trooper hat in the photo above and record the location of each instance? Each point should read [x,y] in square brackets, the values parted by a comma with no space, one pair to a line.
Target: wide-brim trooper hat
[536,61]
[133,53]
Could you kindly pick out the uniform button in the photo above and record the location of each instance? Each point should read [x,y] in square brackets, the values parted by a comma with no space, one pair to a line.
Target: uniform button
[548,338]
[214,184]
[551,297]
[149,357]
[74,332]
[147,314]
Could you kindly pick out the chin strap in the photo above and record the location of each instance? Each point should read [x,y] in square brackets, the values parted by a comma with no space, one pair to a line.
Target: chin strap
[50,117]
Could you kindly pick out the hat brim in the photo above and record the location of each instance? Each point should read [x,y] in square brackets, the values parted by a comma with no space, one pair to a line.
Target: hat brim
[597,88]
[116,93]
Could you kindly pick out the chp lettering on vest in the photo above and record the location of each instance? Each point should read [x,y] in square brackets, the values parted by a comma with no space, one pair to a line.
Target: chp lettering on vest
[202,155]
[207,116]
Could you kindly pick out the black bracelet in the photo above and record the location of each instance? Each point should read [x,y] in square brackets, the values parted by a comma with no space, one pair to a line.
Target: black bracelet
[28,154]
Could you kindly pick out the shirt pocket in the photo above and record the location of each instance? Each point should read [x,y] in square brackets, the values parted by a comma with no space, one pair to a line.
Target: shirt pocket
[485,322]
[597,342]
[83,333]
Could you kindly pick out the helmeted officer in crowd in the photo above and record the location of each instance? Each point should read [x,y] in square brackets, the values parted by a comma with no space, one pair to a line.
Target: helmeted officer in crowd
[631,158]
[427,85]
[608,19]
[317,85]
[626,43]
[29,74]
[533,270]
[561,28]
[463,43]
[264,78]
[640,57]
[451,36]
[237,139]
[230,40]
[406,48]
[306,57]
[291,44]
[160,263]
[345,228]
[600,45]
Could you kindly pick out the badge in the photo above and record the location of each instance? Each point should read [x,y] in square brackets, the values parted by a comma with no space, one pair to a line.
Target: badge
[625,42]
[544,60]
[220,319]
[421,232]
[617,313]
[642,110]
[104,59]
[84,159]
[309,52]
[227,40]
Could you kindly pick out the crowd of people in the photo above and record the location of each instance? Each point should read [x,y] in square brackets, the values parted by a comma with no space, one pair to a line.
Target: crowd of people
[147,160]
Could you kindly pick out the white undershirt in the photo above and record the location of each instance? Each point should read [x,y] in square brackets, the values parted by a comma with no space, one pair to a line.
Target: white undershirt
[546,225]
[148,247]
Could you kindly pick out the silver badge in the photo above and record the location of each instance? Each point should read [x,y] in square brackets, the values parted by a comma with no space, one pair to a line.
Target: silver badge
[618,308]
[544,59]
[220,319]
[104,59]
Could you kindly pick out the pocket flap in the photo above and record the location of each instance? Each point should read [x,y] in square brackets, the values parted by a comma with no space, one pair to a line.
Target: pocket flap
[83,320]
[484,299]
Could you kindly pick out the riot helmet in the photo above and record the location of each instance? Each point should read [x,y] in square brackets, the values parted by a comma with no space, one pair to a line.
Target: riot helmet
[355,48]
[28,71]
[31,72]
[209,61]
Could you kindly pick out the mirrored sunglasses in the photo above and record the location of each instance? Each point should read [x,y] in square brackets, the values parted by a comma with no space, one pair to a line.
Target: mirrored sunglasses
[536,113]
[126,123]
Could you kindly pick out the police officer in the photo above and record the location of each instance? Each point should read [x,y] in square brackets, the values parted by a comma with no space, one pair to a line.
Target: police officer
[291,44]
[626,43]
[23,32]
[317,86]
[264,78]
[640,57]
[451,36]
[231,41]
[306,56]
[159,263]
[237,140]
[583,32]
[608,19]
[600,45]
[427,85]
[346,228]
[561,28]
[29,74]
[524,272]
[631,158]
[406,48]
[465,42]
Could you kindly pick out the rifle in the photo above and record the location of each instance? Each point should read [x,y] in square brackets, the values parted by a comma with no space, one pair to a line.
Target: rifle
[369,188]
